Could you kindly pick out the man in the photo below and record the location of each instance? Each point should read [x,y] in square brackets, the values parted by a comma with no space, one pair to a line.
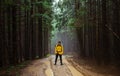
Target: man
[58,52]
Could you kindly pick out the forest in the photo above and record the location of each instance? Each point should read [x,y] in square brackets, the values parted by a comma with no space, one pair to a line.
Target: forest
[26,29]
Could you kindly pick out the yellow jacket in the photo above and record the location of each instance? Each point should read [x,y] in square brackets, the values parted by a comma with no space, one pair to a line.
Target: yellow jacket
[59,49]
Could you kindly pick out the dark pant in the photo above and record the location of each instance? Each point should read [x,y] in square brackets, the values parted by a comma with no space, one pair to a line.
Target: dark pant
[57,58]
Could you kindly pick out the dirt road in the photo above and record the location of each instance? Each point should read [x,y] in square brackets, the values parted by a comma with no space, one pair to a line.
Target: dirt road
[46,67]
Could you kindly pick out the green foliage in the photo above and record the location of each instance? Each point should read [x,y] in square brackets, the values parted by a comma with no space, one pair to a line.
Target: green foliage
[37,57]
[10,68]
[46,5]
[63,17]
[81,12]
[14,70]
[46,16]
[26,7]
[71,21]
[8,2]
[38,3]
[47,55]
[41,9]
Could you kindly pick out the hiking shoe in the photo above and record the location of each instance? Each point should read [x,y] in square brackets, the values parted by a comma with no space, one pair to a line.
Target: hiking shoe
[61,64]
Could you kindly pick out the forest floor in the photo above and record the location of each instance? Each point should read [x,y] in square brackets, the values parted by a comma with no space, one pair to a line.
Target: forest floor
[90,68]
[71,67]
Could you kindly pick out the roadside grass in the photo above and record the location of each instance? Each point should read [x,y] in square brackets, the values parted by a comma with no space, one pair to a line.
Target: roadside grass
[13,70]
[47,55]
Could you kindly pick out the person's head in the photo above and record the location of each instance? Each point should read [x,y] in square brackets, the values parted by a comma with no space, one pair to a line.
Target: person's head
[59,42]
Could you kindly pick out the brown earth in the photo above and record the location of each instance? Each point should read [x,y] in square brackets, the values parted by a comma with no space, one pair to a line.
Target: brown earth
[89,68]
[72,66]
[46,67]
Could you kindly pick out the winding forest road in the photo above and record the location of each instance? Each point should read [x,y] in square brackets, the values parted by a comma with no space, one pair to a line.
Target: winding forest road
[46,67]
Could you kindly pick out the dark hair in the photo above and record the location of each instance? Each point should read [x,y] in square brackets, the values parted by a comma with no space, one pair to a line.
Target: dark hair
[59,41]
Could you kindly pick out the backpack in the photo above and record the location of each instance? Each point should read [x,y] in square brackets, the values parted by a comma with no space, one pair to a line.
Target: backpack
[58,48]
